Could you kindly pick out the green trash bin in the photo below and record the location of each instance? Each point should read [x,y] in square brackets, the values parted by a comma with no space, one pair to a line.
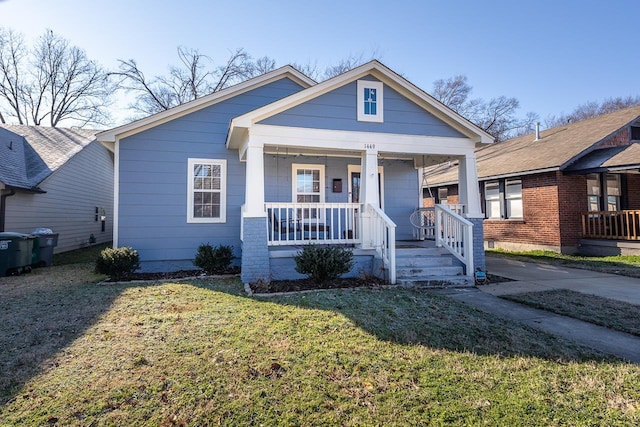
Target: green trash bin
[46,241]
[16,253]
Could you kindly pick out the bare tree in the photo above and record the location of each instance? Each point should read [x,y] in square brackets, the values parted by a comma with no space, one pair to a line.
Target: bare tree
[12,55]
[592,109]
[194,77]
[54,82]
[496,116]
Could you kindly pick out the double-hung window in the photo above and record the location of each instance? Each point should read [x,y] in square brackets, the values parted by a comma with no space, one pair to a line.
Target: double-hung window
[308,187]
[207,191]
[503,199]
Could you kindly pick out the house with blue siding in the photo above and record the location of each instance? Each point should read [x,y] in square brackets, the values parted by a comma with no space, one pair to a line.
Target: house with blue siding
[280,161]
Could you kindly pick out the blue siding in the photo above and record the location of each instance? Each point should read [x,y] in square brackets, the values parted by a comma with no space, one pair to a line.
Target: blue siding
[400,184]
[337,110]
[153,180]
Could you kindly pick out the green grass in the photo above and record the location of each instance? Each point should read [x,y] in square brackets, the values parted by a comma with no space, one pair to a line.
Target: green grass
[605,312]
[626,265]
[202,353]
[78,256]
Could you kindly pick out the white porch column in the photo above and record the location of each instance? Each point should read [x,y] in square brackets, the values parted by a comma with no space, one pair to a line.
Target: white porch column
[469,190]
[369,195]
[254,188]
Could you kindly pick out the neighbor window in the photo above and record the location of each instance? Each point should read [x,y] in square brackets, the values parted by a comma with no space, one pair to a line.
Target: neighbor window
[442,195]
[604,192]
[206,195]
[370,105]
[503,199]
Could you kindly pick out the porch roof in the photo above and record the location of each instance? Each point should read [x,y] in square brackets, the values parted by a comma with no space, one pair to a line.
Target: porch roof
[240,125]
[626,158]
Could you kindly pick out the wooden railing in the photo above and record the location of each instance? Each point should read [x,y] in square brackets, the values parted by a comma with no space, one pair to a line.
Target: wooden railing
[383,231]
[455,233]
[616,225]
[305,223]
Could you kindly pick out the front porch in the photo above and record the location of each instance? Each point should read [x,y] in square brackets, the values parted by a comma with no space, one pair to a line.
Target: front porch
[610,233]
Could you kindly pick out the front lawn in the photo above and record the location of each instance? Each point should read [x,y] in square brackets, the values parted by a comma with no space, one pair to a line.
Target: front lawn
[201,353]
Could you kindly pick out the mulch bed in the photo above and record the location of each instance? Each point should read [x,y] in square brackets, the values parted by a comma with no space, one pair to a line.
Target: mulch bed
[181,274]
[308,284]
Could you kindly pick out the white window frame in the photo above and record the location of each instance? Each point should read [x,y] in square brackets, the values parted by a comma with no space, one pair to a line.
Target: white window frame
[511,198]
[191,190]
[493,199]
[378,86]
[294,189]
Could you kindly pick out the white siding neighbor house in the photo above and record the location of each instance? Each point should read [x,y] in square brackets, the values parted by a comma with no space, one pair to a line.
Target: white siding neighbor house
[61,179]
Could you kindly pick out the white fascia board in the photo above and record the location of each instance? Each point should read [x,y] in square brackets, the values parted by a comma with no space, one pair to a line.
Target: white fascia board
[379,71]
[284,136]
[203,102]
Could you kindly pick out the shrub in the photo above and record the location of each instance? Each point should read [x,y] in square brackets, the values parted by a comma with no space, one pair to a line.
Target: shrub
[214,260]
[324,263]
[117,263]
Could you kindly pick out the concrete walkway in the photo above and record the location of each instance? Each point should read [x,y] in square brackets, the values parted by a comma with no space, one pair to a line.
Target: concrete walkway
[530,277]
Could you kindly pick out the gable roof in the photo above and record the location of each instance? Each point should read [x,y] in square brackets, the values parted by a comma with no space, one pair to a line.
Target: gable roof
[109,136]
[570,147]
[376,69]
[29,154]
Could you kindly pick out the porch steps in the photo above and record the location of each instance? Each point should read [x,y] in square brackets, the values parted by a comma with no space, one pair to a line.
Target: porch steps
[429,268]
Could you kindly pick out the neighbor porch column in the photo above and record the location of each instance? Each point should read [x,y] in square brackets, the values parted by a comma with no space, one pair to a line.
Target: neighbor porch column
[369,194]
[469,195]
[255,253]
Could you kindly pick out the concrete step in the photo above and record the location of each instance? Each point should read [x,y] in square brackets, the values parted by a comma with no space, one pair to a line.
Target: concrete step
[423,261]
[409,252]
[437,282]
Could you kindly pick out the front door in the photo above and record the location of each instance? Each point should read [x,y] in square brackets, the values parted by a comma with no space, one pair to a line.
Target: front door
[354,184]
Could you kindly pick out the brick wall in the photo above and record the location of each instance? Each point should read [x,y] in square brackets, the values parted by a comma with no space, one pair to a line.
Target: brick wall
[255,253]
[540,224]
[633,191]
[620,138]
[572,194]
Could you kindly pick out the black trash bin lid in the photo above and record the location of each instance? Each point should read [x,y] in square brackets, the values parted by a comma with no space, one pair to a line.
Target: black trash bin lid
[10,235]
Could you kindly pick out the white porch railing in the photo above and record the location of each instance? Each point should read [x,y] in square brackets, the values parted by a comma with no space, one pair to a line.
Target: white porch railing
[304,223]
[383,231]
[455,233]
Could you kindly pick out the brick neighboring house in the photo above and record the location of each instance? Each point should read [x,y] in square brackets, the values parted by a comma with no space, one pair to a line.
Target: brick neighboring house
[575,188]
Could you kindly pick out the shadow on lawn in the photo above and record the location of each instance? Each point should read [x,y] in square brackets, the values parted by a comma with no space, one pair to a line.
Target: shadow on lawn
[39,320]
[420,317]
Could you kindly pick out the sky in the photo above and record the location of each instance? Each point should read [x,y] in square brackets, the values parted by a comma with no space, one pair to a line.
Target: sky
[550,55]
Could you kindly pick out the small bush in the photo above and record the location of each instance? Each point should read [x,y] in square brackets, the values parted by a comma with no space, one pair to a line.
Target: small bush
[324,263]
[214,260]
[117,263]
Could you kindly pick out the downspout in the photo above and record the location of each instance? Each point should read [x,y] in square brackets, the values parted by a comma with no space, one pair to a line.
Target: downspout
[3,204]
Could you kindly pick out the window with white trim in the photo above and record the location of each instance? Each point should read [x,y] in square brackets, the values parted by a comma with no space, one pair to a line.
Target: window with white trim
[503,199]
[308,186]
[207,191]
[370,101]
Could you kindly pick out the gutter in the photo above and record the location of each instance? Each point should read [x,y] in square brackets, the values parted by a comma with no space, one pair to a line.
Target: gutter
[3,205]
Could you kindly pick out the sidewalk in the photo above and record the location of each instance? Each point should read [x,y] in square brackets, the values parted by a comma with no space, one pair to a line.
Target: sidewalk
[530,277]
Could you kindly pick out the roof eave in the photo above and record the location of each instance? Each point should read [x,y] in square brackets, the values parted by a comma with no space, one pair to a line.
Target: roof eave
[140,125]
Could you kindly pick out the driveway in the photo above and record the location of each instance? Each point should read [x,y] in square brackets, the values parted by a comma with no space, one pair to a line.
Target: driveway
[532,277]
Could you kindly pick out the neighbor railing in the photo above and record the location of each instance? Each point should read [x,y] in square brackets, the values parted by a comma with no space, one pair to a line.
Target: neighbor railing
[305,223]
[383,236]
[455,233]
[617,225]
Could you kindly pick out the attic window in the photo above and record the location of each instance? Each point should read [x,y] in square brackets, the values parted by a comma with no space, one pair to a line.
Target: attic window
[635,133]
[370,97]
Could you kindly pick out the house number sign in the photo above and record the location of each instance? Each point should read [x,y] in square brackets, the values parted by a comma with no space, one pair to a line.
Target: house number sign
[369,146]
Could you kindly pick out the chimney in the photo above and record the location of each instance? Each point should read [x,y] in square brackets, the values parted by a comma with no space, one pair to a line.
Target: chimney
[537,131]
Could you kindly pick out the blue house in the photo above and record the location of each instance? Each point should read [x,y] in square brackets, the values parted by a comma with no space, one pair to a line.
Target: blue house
[280,161]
